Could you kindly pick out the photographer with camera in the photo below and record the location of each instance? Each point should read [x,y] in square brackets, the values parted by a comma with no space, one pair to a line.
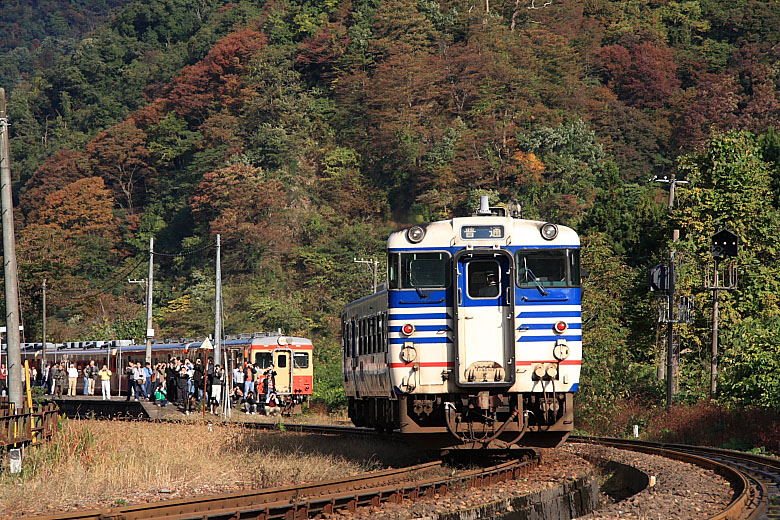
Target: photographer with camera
[270,382]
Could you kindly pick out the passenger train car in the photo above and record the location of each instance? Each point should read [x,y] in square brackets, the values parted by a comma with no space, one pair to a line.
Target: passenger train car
[291,356]
[475,342]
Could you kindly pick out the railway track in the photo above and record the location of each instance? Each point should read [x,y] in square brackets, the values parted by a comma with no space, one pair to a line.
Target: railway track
[311,499]
[755,478]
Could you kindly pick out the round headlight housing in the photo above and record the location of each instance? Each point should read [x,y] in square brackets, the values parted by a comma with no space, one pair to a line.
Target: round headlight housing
[415,234]
[407,330]
[549,231]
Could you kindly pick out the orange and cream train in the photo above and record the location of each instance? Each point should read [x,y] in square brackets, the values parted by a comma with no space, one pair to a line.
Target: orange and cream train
[291,356]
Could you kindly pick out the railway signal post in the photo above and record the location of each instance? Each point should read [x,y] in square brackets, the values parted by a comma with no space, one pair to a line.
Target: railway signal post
[724,252]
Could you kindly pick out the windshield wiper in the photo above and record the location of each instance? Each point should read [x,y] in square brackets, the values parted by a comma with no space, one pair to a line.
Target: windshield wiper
[420,292]
[534,279]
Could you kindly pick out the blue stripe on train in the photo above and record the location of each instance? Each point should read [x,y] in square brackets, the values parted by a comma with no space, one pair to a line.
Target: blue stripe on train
[401,341]
[546,326]
[528,339]
[432,316]
[549,314]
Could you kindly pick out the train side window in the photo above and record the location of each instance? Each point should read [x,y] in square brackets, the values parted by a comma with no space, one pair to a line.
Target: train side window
[353,336]
[383,333]
[373,335]
[263,359]
[392,270]
[574,267]
[300,360]
[362,336]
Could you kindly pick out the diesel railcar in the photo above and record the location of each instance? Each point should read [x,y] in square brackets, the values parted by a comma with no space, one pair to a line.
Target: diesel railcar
[475,340]
[291,356]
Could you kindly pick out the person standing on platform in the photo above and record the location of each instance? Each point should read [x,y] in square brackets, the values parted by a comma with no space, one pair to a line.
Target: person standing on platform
[197,379]
[182,383]
[61,379]
[105,382]
[45,378]
[3,380]
[94,377]
[132,389]
[85,377]
[73,376]
[249,379]
[148,376]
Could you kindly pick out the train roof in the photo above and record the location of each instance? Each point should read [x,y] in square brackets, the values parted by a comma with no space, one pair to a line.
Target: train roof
[230,341]
[514,232]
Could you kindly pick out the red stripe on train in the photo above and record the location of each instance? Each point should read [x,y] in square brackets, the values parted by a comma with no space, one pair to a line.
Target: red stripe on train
[564,362]
[431,364]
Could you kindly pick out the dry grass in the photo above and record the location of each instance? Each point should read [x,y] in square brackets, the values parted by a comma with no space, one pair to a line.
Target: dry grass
[92,464]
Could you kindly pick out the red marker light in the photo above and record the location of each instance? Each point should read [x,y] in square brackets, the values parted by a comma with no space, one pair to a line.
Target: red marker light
[407,329]
[560,327]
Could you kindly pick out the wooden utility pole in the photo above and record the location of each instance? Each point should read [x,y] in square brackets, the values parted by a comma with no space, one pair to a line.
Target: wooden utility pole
[218,306]
[672,361]
[43,352]
[10,268]
[149,282]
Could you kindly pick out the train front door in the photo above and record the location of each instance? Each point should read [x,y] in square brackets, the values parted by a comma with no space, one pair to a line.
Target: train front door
[483,310]
[283,370]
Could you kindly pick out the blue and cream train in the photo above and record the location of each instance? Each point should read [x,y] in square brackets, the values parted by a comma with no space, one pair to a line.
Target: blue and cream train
[476,339]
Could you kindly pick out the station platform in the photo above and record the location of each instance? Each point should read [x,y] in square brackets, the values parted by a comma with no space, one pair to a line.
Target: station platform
[94,406]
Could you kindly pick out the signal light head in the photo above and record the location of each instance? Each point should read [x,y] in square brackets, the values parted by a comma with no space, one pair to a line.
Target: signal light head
[560,327]
[407,329]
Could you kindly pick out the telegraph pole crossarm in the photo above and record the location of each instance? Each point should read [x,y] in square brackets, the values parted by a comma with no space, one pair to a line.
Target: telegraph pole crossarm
[374,265]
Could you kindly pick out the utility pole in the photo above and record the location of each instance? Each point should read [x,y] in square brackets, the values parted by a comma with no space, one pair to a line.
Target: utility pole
[218,306]
[43,352]
[150,282]
[10,269]
[374,264]
[672,358]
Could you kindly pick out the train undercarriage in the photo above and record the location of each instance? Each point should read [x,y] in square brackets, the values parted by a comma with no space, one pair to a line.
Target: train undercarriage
[482,420]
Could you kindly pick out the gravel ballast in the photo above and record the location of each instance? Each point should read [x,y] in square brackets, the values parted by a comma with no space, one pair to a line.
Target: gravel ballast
[680,490]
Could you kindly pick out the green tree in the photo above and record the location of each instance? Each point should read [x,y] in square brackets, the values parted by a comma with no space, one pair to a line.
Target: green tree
[729,186]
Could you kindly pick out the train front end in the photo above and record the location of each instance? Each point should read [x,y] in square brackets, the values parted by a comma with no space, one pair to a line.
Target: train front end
[484,331]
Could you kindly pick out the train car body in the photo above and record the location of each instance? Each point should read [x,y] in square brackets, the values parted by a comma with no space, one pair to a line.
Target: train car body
[291,356]
[475,342]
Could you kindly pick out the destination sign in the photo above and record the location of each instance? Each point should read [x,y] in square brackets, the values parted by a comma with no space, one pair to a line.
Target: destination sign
[481,232]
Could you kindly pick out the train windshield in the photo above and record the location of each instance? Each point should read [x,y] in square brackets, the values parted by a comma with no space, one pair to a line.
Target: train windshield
[548,268]
[425,270]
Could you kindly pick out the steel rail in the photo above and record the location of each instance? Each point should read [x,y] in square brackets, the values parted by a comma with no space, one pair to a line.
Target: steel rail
[301,501]
[755,479]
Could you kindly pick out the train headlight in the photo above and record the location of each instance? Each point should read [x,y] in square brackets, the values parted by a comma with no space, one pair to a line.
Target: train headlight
[549,231]
[415,234]
[407,329]
[560,327]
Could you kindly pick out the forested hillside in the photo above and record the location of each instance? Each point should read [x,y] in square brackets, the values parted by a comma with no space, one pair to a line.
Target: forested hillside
[304,131]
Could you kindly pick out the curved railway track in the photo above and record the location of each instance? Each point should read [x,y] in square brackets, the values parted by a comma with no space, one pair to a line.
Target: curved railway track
[755,478]
[310,499]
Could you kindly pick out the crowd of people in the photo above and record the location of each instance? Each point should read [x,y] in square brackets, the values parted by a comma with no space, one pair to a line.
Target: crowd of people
[179,381]
[184,383]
